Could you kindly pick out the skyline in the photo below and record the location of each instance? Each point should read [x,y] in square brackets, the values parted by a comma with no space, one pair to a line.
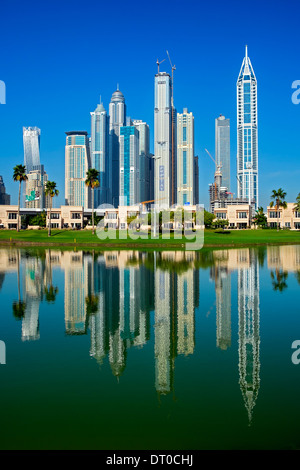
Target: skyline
[201,69]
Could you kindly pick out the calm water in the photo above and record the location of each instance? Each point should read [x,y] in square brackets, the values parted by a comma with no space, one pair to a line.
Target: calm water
[132,350]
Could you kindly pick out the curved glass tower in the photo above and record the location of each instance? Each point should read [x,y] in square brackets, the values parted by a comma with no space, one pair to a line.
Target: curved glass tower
[247,153]
[117,119]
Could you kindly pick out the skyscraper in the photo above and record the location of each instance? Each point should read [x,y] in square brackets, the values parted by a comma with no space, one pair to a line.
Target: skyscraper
[163,140]
[222,152]
[129,182]
[144,160]
[247,156]
[100,154]
[185,158]
[4,198]
[31,142]
[77,163]
[35,188]
[117,115]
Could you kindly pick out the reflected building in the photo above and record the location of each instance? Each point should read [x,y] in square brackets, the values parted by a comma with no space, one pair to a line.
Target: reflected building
[249,339]
[33,294]
[222,277]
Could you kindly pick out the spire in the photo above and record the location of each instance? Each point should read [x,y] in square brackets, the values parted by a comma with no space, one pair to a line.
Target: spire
[246,53]
[117,87]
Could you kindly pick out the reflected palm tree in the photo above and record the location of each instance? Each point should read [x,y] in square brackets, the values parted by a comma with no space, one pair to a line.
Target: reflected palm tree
[297,274]
[279,280]
[92,300]
[19,306]
[49,290]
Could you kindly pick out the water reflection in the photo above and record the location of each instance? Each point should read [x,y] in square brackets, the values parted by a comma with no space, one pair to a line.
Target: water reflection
[119,298]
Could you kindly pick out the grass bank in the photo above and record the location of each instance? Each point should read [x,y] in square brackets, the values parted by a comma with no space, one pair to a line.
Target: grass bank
[85,239]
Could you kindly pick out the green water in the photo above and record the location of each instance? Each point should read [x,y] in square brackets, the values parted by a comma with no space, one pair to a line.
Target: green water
[132,350]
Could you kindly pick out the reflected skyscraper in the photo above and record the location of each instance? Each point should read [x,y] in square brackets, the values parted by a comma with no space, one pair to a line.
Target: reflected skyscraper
[33,294]
[76,291]
[249,339]
[222,277]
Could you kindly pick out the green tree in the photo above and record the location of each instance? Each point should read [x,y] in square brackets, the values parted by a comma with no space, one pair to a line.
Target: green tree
[278,201]
[220,223]
[208,219]
[39,219]
[92,180]
[19,175]
[297,204]
[259,218]
[50,190]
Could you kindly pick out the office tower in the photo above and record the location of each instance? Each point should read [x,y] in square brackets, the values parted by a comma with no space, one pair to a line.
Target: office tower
[185,158]
[222,140]
[196,180]
[247,156]
[77,163]
[163,140]
[31,142]
[4,198]
[144,159]
[129,182]
[35,189]
[100,154]
[117,119]
[249,320]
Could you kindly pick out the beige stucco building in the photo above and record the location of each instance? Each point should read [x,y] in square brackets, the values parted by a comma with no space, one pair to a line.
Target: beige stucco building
[287,218]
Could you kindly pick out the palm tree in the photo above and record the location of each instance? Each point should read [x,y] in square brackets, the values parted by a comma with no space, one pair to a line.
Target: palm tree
[50,190]
[278,201]
[259,217]
[19,175]
[297,204]
[92,180]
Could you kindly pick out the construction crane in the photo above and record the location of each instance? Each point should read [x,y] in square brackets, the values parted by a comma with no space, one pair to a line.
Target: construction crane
[172,106]
[217,174]
[158,63]
[152,200]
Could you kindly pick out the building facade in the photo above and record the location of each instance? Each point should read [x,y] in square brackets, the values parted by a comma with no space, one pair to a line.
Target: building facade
[129,180]
[100,155]
[222,150]
[77,163]
[163,140]
[247,150]
[185,158]
[31,142]
[117,119]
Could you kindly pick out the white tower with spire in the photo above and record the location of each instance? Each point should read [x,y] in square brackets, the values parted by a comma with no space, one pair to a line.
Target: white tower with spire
[247,153]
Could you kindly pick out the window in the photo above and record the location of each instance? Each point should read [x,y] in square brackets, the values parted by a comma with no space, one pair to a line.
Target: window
[12,215]
[297,215]
[184,134]
[76,215]
[242,215]
[184,166]
[288,224]
[111,215]
[54,215]
[221,215]
[274,214]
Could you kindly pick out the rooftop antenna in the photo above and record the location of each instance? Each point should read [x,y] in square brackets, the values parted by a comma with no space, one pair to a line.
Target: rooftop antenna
[117,87]
[246,52]
[158,63]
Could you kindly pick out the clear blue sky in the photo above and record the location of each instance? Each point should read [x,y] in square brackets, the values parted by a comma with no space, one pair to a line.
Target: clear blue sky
[57,57]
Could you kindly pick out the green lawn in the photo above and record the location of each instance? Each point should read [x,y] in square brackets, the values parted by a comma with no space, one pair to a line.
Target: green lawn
[85,239]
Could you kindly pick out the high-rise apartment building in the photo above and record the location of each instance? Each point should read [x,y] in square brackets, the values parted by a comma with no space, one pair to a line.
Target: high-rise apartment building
[185,158]
[222,152]
[31,142]
[77,163]
[100,155]
[35,189]
[117,115]
[129,182]
[144,163]
[163,140]
[247,150]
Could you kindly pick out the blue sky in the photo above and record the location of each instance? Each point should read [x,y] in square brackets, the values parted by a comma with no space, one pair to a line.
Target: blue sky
[58,57]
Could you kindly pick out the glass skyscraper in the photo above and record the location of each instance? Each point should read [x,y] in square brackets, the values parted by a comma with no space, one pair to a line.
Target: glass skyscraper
[185,158]
[31,142]
[77,163]
[100,154]
[163,140]
[247,151]
[144,160]
[129,181]
[222,152]
[117,115]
